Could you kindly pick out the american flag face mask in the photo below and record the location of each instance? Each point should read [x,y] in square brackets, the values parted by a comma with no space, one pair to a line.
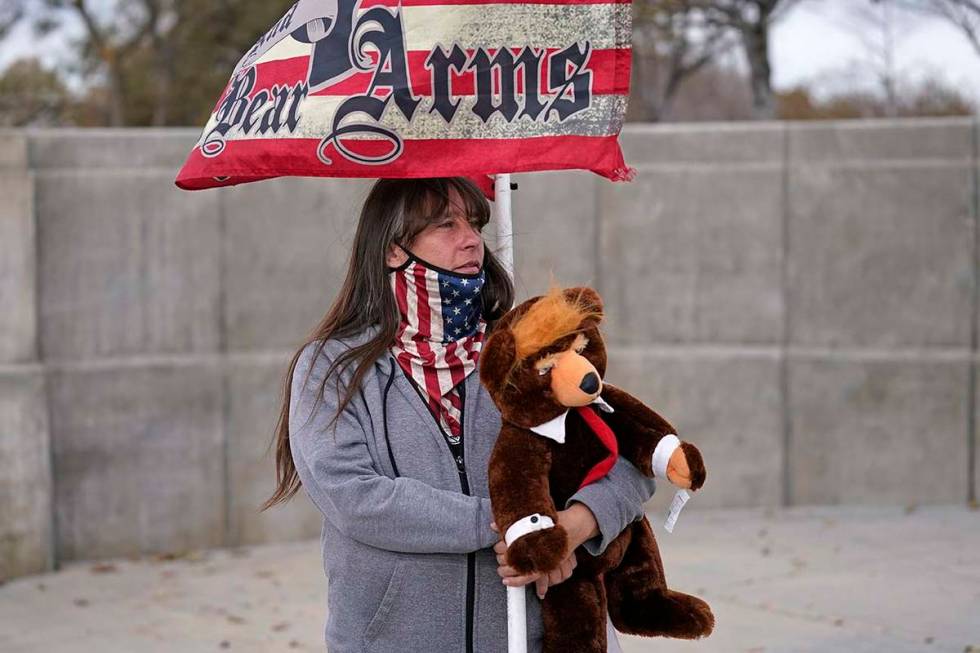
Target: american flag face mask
[441,333]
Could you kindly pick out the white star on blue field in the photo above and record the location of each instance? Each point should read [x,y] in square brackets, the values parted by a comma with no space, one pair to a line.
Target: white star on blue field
[459,310]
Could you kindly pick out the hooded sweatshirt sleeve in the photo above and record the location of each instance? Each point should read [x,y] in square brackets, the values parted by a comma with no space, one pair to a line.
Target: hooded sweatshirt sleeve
[616,500]
[337,472]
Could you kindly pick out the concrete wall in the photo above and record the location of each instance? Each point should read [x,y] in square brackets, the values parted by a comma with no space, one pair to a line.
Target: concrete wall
[26,536]
[799,299]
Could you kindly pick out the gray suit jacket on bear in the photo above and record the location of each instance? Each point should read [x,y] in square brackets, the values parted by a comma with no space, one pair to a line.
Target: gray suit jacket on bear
[408,553]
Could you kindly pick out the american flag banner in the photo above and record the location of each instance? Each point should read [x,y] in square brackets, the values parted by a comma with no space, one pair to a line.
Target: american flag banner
[440,337]
[423,88]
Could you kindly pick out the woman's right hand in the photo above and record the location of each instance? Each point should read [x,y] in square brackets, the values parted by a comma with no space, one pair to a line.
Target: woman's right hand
[542,581]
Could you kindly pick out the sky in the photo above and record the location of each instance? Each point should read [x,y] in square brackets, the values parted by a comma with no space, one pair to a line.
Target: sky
[817,43]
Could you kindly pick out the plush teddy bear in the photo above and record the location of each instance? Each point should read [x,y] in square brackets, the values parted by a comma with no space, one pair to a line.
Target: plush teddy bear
[562,428]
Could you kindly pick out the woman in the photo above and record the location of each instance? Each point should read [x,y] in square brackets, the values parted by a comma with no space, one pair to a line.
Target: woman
[386,426]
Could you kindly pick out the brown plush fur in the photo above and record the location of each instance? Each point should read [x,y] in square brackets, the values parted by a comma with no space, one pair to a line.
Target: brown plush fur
[530,473]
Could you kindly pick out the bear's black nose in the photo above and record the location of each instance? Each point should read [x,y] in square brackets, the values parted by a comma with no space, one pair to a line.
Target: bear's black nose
[590,383]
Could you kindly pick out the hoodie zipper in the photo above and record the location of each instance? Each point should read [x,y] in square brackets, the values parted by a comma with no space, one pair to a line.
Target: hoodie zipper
[464,486]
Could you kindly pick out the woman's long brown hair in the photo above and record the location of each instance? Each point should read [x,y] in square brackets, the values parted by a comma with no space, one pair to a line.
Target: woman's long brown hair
[395,211]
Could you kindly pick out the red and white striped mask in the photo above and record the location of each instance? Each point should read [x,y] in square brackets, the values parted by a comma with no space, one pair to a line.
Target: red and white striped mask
[441,333]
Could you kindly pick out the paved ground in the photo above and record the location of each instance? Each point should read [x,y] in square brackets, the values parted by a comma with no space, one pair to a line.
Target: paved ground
[828,579]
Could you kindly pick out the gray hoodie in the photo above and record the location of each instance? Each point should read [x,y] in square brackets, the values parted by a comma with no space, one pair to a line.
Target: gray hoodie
[406,538]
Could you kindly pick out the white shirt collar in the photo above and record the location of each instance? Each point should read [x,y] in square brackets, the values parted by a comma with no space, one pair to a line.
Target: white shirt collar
[554,429]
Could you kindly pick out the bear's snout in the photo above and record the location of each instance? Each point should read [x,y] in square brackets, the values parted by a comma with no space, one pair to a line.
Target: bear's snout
[574,380]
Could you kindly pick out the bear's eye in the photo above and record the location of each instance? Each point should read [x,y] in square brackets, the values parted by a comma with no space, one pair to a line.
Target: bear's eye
[545,368]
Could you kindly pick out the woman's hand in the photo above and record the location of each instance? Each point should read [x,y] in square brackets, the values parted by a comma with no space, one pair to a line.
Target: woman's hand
[580,524]
[542,581]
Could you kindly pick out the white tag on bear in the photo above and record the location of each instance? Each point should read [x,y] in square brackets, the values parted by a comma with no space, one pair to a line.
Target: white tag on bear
[675,509]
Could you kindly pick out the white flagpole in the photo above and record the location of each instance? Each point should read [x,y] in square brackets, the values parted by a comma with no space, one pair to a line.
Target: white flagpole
[505,231]
[516,606]
[516,620]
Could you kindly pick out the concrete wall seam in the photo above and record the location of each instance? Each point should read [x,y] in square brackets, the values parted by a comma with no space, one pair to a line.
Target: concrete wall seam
[784,387]
[971,426]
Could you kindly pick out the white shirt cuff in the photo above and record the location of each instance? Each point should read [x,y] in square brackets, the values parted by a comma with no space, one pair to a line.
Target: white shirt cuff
[527,525]
[661,455]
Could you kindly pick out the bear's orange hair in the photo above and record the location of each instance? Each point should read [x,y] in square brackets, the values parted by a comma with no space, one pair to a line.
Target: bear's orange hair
[549,319]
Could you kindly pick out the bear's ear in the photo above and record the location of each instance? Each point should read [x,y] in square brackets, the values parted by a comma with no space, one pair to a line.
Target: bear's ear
[585,297]
[497,357]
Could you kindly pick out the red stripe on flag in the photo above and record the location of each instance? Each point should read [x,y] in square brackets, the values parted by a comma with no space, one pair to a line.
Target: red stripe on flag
[257,159]
[455,364]
[455,400]
[425,329]
[422,304]
[405,360]
[419,3]
[401,294]
[610,75]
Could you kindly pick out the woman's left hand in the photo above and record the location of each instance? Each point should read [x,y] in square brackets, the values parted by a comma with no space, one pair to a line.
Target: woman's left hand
[580,524]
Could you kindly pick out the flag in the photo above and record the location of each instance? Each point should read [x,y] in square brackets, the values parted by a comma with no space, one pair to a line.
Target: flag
[423,88]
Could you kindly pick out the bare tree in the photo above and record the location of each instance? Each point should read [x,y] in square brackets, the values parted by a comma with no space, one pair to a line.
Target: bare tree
[962,14]
[111,36]
[927,97]
[881,26]
[32,95]
[716,92]
[110,42]
[10,13]
[877,31]
[752,20]
[152,62]
[671,43]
